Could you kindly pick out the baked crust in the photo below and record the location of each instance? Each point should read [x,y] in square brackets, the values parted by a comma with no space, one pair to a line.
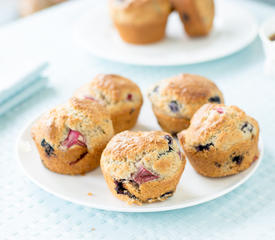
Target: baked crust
[119,95]
[154,151]
[197,16]
[176,99]
[140,21]
[49,133]
[221,140]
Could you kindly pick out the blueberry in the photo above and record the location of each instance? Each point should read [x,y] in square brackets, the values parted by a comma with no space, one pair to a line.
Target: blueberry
[218,164]
[169,139]
[119,187]
[185,17]
[215,99]
[237,159]
[132,110]
[47,147]
[165,194]
[247,127]
[170,142]
[156,89]
[174,106]
[200,148]
[121,190]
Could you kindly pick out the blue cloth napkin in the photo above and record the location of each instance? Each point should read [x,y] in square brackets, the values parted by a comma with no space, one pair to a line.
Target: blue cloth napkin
[15,90]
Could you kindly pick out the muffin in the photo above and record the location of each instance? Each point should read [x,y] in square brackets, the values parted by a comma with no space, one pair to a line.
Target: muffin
[142,167]
[122,98]
[221,140]
[176,99]
[28,7]
[197,16]
[71,137]
[140,21]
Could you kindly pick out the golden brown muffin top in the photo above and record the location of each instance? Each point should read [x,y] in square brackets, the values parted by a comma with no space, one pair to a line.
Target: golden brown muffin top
[90,119]
[139,11]
[184,94]
[129,151]
[220,126]
[113,91]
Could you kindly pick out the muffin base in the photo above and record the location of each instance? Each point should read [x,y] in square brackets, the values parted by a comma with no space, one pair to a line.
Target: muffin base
[192,20]
[171,124]
[214,164]
[142,34]
[125,120]
[60,164]
[149,192]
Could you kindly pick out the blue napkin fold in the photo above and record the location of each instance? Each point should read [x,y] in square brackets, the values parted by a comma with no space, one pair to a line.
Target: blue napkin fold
[18,90]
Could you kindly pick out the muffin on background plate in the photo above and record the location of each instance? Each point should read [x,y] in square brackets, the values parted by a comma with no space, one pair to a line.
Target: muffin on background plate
[71,137]
[221,140]
[142,167]
[121,97]
[140,21]
[197,16]
[176,99]
[27,7]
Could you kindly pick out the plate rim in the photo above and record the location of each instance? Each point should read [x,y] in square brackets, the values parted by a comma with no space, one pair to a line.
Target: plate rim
[84,45]
[136,210]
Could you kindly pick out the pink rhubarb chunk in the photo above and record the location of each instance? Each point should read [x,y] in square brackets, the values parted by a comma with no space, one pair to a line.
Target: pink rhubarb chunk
[220,110]
[90,98]
[143,175]
[74,138]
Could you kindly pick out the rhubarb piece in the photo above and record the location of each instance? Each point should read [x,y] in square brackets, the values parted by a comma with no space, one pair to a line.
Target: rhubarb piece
[74,138]
[220,110]
[143,176]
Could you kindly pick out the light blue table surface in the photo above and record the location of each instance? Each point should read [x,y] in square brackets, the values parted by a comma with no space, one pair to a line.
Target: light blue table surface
[27,212]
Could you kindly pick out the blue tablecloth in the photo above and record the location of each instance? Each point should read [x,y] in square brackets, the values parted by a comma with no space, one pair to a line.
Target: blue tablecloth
[27,212]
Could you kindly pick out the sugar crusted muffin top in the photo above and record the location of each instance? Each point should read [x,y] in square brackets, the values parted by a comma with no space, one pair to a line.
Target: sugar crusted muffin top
[113,91]
[139,11]
[131,154]
[219,126]
[184,94]
[78,121]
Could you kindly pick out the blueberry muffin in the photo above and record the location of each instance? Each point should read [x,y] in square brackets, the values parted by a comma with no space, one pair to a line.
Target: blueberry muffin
[28,7]
[142,167]
[122,98]
[140,21]
[221,140]
[70,138]
[176,99]
[197,16]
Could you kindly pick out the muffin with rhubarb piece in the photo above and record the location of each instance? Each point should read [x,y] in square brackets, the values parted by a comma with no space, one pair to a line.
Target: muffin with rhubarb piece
[142,167]
[176,99]
[121,97]
[140,21]
[71,137]
[221,140]
[197,16]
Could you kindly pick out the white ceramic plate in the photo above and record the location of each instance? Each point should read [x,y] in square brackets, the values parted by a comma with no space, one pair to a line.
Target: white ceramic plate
[193,188]
[234,29]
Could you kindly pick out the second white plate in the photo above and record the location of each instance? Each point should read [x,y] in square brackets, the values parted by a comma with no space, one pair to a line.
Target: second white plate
[193,188]
[234,29]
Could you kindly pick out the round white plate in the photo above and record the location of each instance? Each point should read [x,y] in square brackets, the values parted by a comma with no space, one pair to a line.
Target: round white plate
[193,188]
[234,29]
